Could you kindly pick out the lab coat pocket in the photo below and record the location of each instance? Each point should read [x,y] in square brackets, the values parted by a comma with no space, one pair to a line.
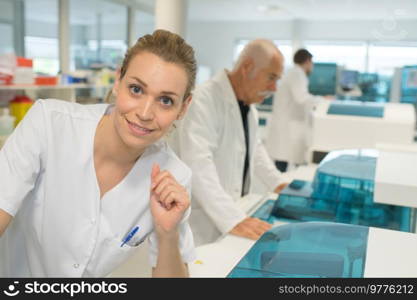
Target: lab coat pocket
[112,254]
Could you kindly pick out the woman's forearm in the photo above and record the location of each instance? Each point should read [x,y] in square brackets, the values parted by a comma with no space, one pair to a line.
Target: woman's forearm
[5,219]
[169,262]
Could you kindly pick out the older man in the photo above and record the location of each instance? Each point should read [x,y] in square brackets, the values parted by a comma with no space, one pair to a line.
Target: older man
[219,140]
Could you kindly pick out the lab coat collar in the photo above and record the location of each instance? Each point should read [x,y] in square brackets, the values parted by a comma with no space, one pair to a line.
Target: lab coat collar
[227,89]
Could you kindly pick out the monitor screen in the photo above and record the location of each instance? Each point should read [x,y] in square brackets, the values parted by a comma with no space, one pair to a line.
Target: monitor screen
[409,84]
[348,79]
[410,77]
[322,80]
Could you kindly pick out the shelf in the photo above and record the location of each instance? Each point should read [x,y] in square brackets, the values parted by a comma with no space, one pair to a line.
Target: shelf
[52,87]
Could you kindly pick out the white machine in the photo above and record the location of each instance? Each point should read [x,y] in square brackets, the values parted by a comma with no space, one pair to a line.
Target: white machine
[333,131]
[396,178]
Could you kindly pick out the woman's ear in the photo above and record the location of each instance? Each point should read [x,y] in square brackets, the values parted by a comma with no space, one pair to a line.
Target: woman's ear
[184,107]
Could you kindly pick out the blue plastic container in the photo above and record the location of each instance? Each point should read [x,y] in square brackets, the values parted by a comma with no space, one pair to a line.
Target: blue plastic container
[342,191]
[310,249]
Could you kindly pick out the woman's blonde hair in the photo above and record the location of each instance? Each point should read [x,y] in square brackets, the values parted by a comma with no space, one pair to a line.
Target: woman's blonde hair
[168,46]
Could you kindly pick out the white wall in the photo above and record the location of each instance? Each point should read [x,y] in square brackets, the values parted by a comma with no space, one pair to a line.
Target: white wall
[214,41]
[41,29]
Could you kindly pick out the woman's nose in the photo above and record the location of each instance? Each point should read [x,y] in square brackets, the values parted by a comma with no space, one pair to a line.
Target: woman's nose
[145,111]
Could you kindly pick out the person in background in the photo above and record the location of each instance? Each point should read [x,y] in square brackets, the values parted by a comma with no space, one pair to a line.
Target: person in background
[289,127]
[81,186]
[219,141]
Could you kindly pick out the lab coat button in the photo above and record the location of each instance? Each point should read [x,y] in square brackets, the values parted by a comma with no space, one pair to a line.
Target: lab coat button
[76,266]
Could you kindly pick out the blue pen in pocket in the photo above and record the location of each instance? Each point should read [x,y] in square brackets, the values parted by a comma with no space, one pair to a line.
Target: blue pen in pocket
[130,235]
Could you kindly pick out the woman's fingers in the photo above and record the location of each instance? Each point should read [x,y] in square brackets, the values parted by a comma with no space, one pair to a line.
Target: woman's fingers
[163,184]
[155,171]
[168,191]
[156,180]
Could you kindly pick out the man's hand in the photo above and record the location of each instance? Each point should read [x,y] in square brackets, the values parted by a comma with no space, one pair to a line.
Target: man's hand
[251,228]
[279,188]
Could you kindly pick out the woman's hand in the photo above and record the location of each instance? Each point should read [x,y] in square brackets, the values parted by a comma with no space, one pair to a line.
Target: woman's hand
[169,201]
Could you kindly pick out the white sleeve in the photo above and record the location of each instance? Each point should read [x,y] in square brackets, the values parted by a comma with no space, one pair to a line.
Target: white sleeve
[264,167]
[21,159]
[199,138]
[186,242]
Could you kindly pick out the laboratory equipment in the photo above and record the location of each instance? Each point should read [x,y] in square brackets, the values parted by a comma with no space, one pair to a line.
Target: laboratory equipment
[375,110]
[322,80]
[348,80]
[343,191]
[409,84]
[19,107]
[369,86]
[358,124]
[310,249]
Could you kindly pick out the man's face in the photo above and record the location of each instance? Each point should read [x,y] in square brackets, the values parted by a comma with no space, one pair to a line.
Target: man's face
[263,83]
[310,66]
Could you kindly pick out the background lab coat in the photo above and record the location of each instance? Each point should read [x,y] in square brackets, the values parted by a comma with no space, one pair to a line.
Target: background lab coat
[289,128]
[61,227]
[212,143]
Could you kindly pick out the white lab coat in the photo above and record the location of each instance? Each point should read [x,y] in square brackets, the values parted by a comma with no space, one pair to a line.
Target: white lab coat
[212,143]
[61,227]
[289,128]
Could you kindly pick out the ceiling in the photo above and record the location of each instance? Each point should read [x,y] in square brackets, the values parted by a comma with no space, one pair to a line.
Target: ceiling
[255,10]
[83,12]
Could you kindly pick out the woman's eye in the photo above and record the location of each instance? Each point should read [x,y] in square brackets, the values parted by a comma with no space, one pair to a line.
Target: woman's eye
[166,101]
[134,89]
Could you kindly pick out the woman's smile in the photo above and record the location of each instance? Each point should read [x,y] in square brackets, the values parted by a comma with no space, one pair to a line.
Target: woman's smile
[138,130]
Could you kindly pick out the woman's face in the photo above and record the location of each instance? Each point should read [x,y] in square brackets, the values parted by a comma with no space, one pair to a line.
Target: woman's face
[149,98]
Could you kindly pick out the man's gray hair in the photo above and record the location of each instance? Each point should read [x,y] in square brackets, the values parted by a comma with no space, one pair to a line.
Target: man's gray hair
[260,51]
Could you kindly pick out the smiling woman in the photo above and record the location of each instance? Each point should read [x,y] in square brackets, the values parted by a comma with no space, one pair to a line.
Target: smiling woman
[86,184]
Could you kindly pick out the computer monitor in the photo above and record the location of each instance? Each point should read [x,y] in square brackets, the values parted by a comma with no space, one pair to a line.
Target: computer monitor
[323,79]
[409,84]
[348,79]
[368,83]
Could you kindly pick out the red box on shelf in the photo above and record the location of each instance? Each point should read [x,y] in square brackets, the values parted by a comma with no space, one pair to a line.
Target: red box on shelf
[46,80]
[24,62]
[5,79]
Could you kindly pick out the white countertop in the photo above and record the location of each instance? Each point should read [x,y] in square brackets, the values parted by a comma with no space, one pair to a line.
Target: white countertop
[396,178]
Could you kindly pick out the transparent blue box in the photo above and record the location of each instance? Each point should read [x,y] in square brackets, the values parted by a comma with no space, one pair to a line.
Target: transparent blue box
[342,191]
[309,249]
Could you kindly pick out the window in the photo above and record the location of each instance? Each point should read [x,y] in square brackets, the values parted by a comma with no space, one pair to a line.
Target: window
[98,34]
[385,57]
[283,45]
[6,40]
[144,23]
[350,55]
[44,52]
[41,39]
